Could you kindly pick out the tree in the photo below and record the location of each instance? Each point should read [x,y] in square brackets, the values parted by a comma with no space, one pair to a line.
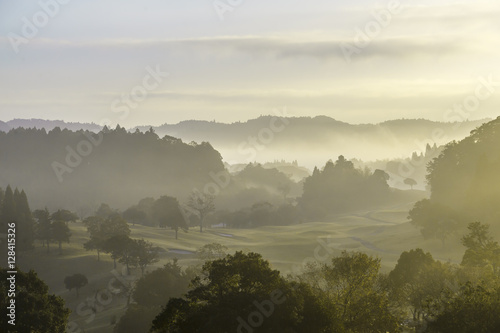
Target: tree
[415,279]
[101,230]
[37,310]
[64,215]
[156,287]
[8,211]
[481,249]
[136,319]
[235,290]
[60,233]
[474,308]
[104,211]
[43,227]
[168,213]
[211,251]
[410,182]
[352,285]
[121,247]
[25,222]
[75,281]
[202,204]
[284,189]
[145,252]
[134,215]
[97,238]
[435,220]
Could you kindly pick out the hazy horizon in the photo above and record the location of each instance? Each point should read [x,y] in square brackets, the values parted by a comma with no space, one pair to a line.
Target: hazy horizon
[319,59]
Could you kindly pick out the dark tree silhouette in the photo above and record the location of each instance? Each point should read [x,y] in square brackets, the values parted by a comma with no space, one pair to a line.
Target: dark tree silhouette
[37,310]
[202,204]
[75,281]
[145,252]
[410,182]
[168,214]
[60,233]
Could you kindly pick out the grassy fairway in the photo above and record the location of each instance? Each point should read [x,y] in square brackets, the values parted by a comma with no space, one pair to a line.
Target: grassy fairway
[382,233]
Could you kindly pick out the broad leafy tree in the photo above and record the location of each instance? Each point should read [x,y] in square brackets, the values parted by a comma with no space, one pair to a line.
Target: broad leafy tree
[202,204]
[75,281]
[169,214]
[37,311]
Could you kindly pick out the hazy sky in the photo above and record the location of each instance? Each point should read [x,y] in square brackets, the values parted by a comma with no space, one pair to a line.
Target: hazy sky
[87,56]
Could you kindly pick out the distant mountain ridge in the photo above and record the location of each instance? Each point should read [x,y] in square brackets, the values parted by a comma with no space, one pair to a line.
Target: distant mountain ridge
[311,140]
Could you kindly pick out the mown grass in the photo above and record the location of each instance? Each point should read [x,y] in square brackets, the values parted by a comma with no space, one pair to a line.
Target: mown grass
[382,233]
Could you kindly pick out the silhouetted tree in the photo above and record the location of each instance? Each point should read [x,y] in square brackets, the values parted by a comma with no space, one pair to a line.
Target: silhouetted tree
[43,227]
[37,310]
[238,286]
[60,233]
[168,214]
[212,251]
[145,252]
[202,204]
[481,249]
[64,215]
[75,281]
[410,182]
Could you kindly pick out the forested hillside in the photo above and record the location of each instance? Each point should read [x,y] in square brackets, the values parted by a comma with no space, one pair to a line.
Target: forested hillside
[79,170]
[463,181]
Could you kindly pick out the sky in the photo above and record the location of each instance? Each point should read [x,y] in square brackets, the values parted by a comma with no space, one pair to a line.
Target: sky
[151,62]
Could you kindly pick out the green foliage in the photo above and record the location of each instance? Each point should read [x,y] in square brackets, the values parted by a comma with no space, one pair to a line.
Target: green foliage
[100,230]
[75,281]
[14,208]
[37,311]
[435,220]
[202,205]
[340,187]
[464,178]
[473,309]
[168,213]
[416,279]
[211,251]
[260,214]
[147,165]
[352,286]
[145,253]
[136,319]
[156,287]
[64,215]
[60,233]
[151,292]
[121,248]
[227,293]
[481,250]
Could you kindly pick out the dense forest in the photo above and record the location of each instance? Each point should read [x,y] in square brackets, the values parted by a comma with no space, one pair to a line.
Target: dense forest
[82,169]
[463,181]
